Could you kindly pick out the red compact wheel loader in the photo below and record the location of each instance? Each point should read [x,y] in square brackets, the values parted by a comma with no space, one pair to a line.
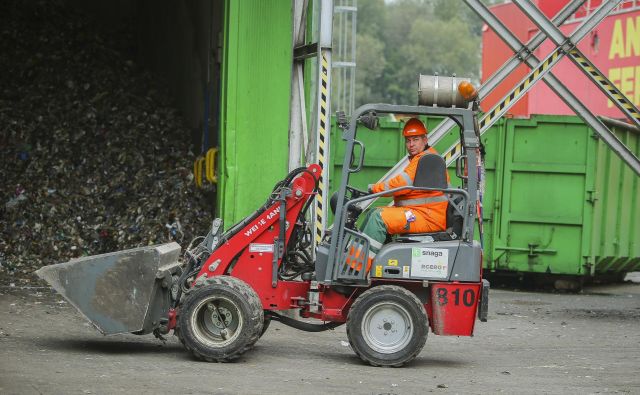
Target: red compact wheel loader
[222,294]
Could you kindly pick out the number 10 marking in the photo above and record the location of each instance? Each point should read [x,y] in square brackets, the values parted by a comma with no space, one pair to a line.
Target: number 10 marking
[468,297]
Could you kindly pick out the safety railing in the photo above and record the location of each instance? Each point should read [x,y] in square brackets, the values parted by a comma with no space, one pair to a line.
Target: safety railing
[354,262]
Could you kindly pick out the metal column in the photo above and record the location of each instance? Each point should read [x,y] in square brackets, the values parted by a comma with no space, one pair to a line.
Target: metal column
[323,119]
[304,149]
[298,134]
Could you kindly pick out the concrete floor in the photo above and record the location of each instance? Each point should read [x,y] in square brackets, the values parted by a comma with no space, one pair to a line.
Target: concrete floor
[534,343]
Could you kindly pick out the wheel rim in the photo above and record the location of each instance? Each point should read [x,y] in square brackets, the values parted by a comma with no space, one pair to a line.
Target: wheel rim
[387,327]
[216,321]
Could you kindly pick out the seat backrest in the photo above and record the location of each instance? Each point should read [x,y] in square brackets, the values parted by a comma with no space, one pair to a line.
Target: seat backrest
[431,172]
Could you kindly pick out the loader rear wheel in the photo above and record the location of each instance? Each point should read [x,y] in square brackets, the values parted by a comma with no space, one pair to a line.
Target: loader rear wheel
[220,319]
[387,326]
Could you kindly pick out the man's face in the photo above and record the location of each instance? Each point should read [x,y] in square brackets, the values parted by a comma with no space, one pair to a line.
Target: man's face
[415,144]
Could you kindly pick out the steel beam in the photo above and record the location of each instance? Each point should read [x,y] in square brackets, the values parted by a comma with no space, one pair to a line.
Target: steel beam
[581,61]
[539,69]
[301,149]
[298,118]
[507,68]
[516,60]
[323,119]
[571,100]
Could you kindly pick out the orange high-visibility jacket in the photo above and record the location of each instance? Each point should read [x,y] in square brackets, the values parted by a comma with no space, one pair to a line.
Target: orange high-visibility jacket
[413,211]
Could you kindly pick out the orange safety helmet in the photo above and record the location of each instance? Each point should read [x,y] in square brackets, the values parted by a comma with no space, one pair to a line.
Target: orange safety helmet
[414,127]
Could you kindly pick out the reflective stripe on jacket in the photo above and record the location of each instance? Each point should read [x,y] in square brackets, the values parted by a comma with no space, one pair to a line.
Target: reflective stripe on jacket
[413,211]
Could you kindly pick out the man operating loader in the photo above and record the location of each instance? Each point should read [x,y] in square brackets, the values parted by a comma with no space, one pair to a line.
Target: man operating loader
[413,211]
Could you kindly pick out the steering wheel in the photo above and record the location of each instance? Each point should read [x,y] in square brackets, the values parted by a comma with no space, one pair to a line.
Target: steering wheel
[356,193]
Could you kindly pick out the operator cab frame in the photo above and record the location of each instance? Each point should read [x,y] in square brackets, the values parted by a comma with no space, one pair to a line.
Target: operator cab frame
[331,264]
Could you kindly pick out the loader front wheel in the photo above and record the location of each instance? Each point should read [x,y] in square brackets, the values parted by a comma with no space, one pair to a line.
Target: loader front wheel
[220,319]
[265,325]
[387,326]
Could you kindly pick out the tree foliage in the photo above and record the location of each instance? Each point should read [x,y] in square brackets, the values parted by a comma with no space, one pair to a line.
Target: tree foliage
[398,40]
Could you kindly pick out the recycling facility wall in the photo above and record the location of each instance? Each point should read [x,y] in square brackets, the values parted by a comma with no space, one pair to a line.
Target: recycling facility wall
[254,114]
[229,62]
[180,43]
[94,155]
[556,201]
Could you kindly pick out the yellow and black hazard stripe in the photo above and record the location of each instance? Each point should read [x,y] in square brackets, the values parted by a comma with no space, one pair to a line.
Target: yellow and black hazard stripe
[607,87]
[452,153]
[505,104]
[322,145]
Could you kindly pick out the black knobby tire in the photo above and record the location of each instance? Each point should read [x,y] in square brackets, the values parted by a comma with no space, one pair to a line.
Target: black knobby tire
[387,326]
[265,325]
[220,319]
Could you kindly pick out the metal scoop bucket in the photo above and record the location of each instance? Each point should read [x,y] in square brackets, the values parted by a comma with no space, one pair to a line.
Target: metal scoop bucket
[119,292]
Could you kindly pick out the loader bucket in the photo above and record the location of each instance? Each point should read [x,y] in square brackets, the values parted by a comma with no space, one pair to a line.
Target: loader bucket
[119,292]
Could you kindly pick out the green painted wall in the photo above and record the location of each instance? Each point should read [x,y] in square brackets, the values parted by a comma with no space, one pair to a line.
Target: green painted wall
[557,200]
[254,116]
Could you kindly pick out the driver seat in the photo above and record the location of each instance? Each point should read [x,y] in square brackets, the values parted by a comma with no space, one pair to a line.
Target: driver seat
[432,173]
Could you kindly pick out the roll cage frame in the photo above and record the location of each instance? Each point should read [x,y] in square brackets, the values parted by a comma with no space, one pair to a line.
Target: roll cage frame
[470,141]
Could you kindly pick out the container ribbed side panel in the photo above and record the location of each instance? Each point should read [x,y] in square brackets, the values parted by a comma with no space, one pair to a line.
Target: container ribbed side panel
[616,231]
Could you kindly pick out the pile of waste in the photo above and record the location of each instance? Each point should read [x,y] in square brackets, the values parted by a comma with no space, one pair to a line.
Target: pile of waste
[93,157]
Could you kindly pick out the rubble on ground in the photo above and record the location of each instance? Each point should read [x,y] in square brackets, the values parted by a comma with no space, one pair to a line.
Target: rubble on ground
[93,157]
